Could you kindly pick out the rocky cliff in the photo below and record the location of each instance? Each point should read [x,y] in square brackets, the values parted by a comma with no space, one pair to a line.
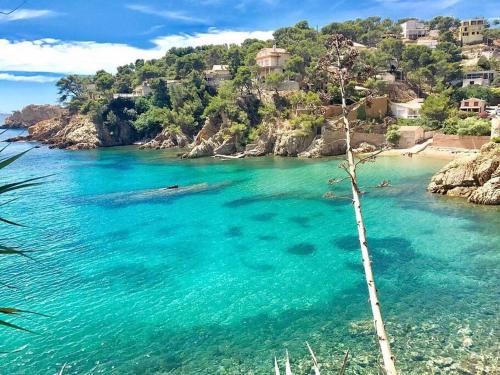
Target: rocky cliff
[167,139]
[32,114]
[476,178]
[78,132]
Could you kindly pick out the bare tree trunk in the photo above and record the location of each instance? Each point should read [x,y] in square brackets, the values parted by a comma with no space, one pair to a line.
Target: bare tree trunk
[383,341]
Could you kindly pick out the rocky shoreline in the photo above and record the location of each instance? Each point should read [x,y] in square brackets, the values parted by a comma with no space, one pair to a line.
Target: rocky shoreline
[475,177]
[31,115]
[80,132]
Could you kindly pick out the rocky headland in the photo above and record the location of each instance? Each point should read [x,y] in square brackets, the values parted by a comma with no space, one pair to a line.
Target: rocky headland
[475,177]
[77,132]
[32,114]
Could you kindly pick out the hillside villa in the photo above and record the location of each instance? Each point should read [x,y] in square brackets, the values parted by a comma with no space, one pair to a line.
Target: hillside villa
[271,60]
[473,105]
[413,29]
[482,78]
[217,75]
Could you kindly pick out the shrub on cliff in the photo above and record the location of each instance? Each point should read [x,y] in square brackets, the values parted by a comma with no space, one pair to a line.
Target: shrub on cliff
[467,126]
[306,124]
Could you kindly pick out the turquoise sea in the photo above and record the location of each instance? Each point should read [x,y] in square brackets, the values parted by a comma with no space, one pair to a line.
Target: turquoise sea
[251,262]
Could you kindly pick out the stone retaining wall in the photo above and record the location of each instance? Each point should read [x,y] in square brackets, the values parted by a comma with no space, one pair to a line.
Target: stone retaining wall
[459,141]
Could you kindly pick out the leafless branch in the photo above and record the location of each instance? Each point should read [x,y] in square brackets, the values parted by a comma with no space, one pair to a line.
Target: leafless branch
[13,10]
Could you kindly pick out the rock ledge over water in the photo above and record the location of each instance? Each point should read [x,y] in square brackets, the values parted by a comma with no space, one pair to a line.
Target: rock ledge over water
[476,177]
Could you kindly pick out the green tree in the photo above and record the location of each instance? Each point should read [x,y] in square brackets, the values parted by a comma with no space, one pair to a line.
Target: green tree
[473,91]
[243,78]
[161,97]
[274,81]
[103,80]
[443,23]
[70,88]
[392,47]
[436,109]
[483,63]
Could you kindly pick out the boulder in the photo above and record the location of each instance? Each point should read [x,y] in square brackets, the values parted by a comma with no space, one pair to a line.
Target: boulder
[476,177]
[32,114]
[288,143]
[264,144]
[167,139]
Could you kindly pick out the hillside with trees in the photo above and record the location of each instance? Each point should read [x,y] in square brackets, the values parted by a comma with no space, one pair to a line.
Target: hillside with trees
[182,108]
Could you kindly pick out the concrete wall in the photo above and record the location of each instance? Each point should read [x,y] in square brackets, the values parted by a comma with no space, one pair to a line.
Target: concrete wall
[459,141]
[409,136]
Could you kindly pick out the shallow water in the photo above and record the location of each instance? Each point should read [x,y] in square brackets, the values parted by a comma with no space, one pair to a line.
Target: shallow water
[219,280]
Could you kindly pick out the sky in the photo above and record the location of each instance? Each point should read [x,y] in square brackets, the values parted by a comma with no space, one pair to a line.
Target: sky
[46,39]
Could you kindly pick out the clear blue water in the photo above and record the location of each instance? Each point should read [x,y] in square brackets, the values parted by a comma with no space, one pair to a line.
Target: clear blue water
[220,281]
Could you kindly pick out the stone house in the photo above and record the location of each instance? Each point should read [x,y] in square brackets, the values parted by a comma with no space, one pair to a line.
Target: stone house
[409,136]
[271,60]
[217,75]
[413,29]
[409,110]
[471,31]
[473,105]
[482,78]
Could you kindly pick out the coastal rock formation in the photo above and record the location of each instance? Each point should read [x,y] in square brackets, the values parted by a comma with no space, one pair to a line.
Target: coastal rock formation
[476,177]
[214,139]
[78,132]
[167,139]
[32,114]
[289,143]
[264,144]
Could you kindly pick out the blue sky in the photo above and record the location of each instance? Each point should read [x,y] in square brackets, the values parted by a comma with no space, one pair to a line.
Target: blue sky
[45,39]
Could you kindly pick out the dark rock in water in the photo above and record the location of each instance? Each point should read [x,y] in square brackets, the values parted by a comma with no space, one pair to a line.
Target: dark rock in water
[264,217]
[302,249]
[268,237]
[303,221]
[234,232]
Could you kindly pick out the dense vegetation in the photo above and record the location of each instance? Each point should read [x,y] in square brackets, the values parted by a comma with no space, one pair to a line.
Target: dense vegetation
[181,100]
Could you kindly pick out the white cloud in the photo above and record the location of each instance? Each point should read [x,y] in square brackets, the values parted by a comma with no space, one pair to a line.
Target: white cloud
[24,78]
[25,14]
[168,14]
[56,56]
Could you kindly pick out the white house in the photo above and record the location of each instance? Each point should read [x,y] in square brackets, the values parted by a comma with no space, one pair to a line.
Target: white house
[410,110]
[413,29]
[482,78]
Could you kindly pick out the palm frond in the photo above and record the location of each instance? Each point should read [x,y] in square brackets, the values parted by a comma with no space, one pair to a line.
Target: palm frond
[10,325]
[11,159]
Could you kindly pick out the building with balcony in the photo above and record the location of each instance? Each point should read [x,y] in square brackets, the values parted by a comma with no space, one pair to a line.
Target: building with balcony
[481,78]
[271,60]
[473,105]
[413,29]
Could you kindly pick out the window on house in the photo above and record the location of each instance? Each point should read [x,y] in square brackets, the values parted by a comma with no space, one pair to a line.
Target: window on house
[476,104]
[466,104]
